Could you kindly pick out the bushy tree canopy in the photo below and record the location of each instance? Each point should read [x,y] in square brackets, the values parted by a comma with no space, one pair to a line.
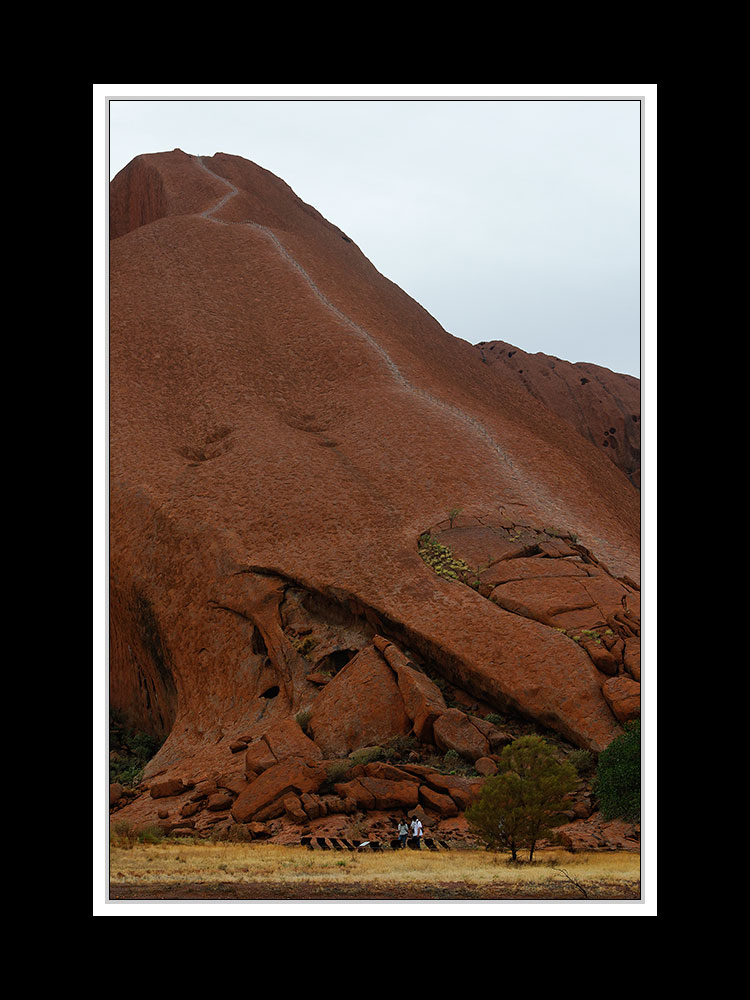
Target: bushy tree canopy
[520,805]
[618,776]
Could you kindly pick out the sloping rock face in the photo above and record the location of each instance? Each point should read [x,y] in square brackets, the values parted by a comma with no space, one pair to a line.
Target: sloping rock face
[286,424]
[603,406]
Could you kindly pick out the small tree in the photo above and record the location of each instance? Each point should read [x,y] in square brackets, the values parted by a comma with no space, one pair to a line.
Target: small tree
[453,514]
[519,806]
[618,775]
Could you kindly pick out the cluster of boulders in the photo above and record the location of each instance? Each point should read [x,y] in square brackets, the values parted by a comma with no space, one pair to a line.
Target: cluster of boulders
[546,575]
[304,793]
[324,772]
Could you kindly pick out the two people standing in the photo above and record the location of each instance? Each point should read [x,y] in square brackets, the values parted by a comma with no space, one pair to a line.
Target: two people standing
[417,832]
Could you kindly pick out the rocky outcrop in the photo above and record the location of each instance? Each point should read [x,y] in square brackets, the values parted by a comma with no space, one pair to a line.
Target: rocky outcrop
[602,406]
[286,427]
[545,575]
[290,788]
[595,834]
[264,797]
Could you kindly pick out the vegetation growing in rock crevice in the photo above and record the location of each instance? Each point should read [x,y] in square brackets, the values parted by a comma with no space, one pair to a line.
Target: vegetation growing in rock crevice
[129,751]
[440,558]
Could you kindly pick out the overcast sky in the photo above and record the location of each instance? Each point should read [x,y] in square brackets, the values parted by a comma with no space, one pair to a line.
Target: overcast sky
[507,219]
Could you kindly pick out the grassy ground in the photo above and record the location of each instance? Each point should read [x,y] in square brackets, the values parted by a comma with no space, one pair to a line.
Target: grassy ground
[197,870]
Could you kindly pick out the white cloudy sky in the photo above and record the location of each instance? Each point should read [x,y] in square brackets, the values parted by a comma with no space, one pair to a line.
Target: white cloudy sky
[506,218]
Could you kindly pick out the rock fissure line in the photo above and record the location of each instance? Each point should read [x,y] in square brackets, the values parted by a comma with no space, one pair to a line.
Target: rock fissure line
[398,375]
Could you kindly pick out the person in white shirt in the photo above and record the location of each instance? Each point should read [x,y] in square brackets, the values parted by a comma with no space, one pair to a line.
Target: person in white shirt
[416,832]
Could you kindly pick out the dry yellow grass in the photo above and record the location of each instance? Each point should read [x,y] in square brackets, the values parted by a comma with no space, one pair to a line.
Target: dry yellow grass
[199,864]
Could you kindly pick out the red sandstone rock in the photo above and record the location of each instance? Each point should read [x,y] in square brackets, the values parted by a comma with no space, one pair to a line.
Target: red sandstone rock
[233,781]
[387,772]
[632,658]
[286,739]
[423,700]
[264,797]
[602,406]
[358,792]
[284,424]
[391,794]
[293,809]
[442,804]
[454,731]
[595,833]
[167,788]
[623,694]
[362,706]
[461,790]
[202,790]
[258,757]
[219,801]
[485,766]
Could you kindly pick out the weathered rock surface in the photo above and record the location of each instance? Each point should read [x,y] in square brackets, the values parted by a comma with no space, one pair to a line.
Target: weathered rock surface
[596,833]
[280,741]
[285,424]
[602,406]
[361,706]
[264,797]
[623,695]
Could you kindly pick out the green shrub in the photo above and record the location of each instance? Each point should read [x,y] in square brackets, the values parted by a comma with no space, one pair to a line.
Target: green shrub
[399,746]
[618,776]
[453,514]
[336,771]
[151,834]
[122,834]
[131,751]
[365,755]
[583,761]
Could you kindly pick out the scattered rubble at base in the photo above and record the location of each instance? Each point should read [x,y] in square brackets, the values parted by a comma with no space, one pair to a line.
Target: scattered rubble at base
[282,786]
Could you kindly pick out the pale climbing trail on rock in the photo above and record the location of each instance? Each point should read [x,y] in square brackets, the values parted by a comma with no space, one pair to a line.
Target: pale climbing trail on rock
[470,421]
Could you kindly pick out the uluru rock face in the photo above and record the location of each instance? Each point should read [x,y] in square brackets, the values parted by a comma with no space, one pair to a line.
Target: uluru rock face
[603,406]
[326,512]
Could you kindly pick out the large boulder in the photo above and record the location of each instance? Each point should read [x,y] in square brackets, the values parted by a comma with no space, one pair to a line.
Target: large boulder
[423,699]
[462,790]
[362,706]
[168,787]
[438,802]
[454,730]
[623,695]
[263,798]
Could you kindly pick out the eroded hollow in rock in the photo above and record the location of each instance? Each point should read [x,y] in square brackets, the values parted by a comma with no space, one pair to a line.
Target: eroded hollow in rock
[142,687]
[334,661]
